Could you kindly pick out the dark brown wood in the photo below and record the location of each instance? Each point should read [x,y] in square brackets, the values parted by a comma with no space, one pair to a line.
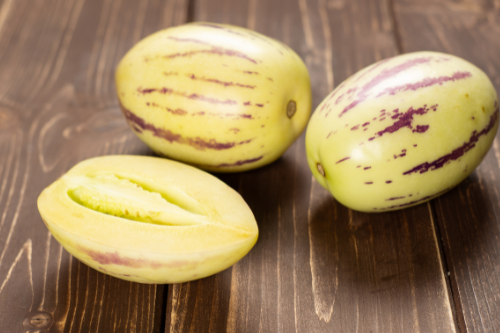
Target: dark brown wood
[468,215]
[319,267]
[57,107]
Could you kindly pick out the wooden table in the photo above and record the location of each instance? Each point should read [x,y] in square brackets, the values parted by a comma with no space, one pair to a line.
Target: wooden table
[318,266]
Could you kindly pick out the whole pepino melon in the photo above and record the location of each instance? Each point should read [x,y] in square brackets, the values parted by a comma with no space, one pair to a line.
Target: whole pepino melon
[219,97]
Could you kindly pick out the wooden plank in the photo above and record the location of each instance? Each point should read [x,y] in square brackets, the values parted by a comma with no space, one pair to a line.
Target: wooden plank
[467,215]
[319,267]
[57,107]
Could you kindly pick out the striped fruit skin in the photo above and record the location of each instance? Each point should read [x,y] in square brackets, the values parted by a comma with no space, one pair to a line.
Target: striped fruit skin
[214,96]
[402,131]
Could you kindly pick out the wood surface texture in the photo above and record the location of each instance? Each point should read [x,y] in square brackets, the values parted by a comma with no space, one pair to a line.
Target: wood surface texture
[317,266]
[468,215]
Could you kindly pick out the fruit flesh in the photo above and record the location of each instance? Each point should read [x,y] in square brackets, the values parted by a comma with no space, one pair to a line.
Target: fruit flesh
[214,96]
[402,131]
[111,195]
[173,223]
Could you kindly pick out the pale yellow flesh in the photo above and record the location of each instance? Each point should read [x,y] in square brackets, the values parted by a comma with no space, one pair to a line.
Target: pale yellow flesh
[374,160]
[173,223]
[215,96]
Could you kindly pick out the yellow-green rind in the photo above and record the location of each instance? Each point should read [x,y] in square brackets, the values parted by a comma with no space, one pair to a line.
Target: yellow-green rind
[214,96]
[377,159]
[147,252]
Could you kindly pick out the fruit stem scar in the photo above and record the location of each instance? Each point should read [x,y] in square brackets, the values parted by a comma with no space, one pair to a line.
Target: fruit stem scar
[320,168]
[291,108]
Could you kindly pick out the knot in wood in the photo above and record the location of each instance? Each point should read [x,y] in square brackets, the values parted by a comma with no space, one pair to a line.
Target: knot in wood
[38,320]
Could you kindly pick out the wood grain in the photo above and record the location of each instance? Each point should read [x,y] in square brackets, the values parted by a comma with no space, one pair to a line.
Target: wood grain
[318,266]
[468,215]
[58,107]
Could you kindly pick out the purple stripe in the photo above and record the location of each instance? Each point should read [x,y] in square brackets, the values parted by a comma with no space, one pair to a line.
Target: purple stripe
[395,198]
[342,160]
[197,142]
[381,77]
[179,112]
[375,66]
[197,97]
[416,201]
[110,258]
[332,95]
[405,119]
[239,163]
[224,83]
[458,152]
[427,82]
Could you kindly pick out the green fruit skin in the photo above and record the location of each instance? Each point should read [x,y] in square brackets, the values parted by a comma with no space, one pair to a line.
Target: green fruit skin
[402,131]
